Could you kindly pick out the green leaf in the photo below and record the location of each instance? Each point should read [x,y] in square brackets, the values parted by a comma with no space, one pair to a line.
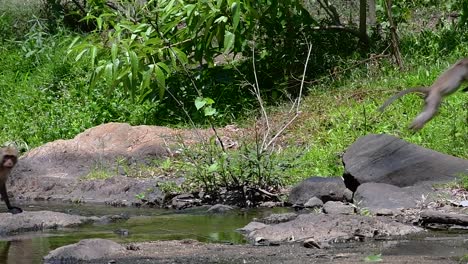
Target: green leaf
[99,23]
[200,102]
[134,62]
[72,44]
[30,53]
[373,258]
[213,168]
[108,71]
[78,57]
[96,75]
[180,55]
[235,14]
[93,55]
[209,101]
[221,19]
[161,80]
[114,51]
[210,111]
[229,39]
[169,6]
[163,66]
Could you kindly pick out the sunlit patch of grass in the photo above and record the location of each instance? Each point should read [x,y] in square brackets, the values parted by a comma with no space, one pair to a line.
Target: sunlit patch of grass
[373,258]
[98,174]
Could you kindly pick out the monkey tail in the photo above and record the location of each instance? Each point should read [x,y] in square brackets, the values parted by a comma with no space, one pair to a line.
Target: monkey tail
[424,90]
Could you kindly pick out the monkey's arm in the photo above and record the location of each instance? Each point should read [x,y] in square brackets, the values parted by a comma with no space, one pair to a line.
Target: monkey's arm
[424,90]
[430,109]
[11,209]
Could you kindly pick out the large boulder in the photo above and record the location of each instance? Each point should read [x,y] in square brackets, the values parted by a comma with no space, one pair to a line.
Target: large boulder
[100,146]
[43,220]
[378,196]
[388,159]
[330,228]
[326,189]
[55,170]
[85,250]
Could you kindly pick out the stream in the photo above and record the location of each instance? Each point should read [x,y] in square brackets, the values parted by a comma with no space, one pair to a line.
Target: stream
[149,224]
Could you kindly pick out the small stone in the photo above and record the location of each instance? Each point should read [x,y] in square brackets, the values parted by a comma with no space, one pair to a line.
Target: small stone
[219,208]
[252,226]
[332,207]
[313,202]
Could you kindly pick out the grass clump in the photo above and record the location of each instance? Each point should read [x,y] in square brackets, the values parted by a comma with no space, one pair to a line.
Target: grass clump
[98,174]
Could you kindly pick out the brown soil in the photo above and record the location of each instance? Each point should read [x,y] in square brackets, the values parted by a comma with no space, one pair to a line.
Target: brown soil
[189,251]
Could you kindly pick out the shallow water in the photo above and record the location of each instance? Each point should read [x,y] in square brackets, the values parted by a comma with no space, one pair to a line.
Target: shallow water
[147,224]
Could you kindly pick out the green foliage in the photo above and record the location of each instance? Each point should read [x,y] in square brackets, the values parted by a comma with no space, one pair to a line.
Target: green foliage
[463,181]
[140,196]
[140,56]
[164,40]
[214,168]
[373,258]
[169,187]
[448,40]
[16,18]
[206,105]
[97,174]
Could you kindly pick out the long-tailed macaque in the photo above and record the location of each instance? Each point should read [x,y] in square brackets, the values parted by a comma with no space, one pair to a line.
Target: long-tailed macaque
[447,83]
[8,158]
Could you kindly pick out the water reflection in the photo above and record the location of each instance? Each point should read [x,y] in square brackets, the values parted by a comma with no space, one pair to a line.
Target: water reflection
[20,252]
[156,224]
[145,224]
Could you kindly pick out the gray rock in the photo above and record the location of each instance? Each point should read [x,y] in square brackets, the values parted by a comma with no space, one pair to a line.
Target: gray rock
[122,232]
[313,202]
[331,228]
[85,250]
[310,243]
[385,212]
[271,204]
[219,208]
[377,196]
[251,227]
[333,207]
[55,170]
[39,220]
[388,159]
[185,200]
[277,218]
[326,189]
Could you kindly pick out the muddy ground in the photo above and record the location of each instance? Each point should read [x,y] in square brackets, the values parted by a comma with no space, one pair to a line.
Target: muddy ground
[190,251]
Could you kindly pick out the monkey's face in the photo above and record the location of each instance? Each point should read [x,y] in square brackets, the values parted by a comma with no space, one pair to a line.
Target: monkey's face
[9,157]
[9,161]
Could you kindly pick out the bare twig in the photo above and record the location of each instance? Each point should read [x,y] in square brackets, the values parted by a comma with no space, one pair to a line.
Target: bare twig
[303,78]
[256,88]
[281,130]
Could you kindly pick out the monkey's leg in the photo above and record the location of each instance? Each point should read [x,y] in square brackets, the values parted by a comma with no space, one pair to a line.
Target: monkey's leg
[430,109]
[11,209]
